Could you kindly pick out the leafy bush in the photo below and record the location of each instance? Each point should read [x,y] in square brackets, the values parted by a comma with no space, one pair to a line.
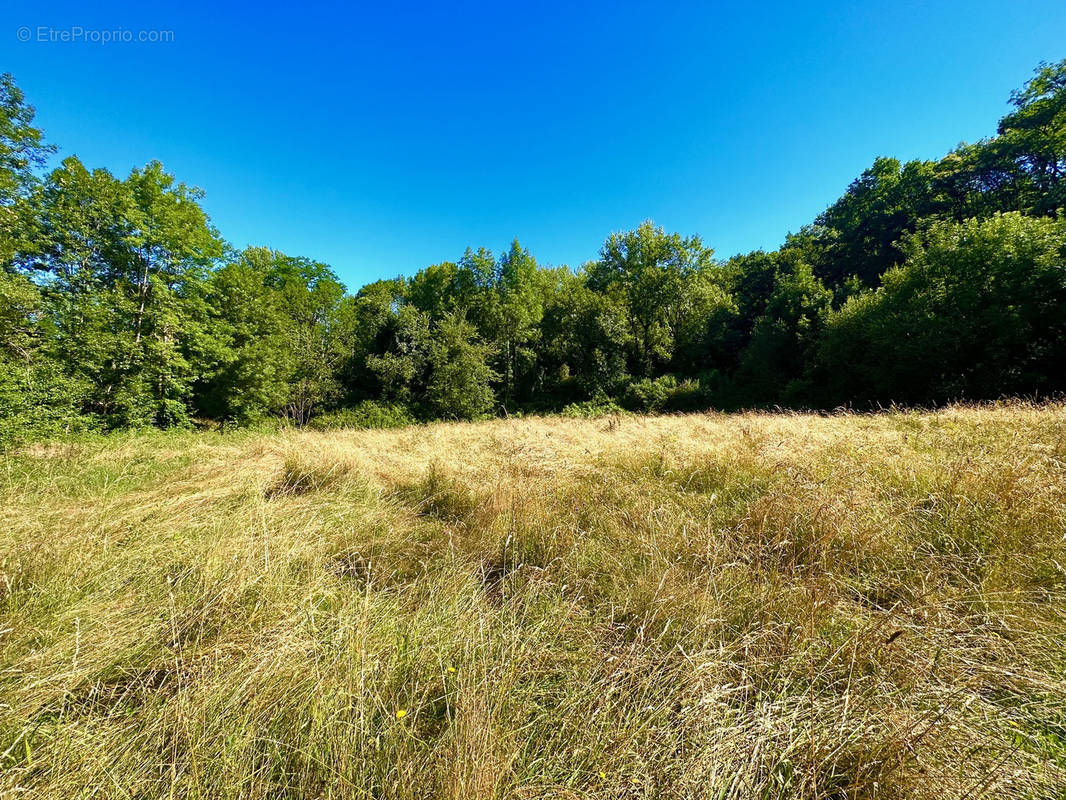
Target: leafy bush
[649,394]
[590,409]
[666,393]
[368,414]
[688,395]
[38,402]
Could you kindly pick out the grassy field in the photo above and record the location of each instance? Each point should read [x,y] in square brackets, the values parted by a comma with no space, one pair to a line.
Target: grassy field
[704,606]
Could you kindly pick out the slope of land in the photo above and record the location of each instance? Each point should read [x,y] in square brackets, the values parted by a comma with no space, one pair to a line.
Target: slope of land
[691,606]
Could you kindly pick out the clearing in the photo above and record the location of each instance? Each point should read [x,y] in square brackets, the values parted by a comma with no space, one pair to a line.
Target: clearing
[727,606]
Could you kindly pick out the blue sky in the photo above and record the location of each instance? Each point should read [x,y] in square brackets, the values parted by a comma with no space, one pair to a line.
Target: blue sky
[380,138]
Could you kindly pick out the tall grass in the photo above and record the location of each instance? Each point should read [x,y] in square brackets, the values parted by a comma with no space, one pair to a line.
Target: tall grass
[702,606]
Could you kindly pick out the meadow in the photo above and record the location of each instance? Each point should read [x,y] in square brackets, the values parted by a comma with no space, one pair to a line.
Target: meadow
[691,606]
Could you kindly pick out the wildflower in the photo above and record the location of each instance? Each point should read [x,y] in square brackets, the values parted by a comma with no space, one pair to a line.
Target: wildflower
[451,670]
[603,774]
[401,713]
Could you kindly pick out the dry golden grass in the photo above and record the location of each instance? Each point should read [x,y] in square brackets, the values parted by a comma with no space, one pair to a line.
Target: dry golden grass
[702,606]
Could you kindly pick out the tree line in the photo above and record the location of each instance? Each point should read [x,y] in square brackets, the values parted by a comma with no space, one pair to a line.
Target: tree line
[926,282]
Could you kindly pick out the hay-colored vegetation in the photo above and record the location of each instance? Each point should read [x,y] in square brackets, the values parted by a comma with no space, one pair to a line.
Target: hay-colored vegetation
[702,606]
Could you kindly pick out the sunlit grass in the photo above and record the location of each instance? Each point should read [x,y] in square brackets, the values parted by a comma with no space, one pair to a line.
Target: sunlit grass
[768,606]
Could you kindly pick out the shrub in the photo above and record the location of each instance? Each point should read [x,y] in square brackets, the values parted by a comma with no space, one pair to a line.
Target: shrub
[666,393]
[649,394]
[368,414]
[38,402]
[590,409]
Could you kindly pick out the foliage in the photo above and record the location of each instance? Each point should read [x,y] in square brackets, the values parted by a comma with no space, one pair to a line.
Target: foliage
[649,270]
[925,281]
[37,398]
[591,409]
[367,414]
[460,379]
[975,311]
[22,151]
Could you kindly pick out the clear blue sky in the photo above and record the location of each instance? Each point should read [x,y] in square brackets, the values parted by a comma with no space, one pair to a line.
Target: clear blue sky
[380,138]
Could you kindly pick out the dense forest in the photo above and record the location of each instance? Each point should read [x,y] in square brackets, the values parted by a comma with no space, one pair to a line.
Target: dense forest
[926,282]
